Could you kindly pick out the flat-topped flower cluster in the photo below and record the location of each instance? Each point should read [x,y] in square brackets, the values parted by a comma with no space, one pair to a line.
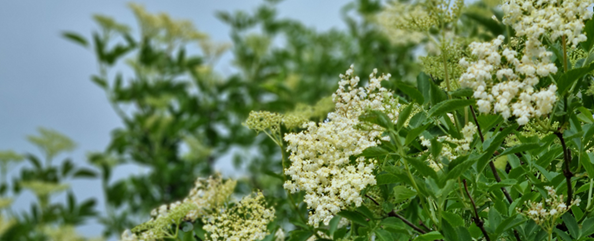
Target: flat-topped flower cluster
[504,81]
[546,213]
[246,220]
[533,19]
[321,155]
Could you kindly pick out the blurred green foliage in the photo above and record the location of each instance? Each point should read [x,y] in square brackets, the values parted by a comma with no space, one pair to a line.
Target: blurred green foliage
[180,115]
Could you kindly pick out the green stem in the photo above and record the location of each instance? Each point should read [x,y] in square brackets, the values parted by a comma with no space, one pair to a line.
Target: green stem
[563,42]
[291,200]
[445,68]
[410,176]
[590,195]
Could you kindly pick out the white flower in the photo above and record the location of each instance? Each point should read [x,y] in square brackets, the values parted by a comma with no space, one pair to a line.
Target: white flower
[553,211]
[533,212]
[128,236]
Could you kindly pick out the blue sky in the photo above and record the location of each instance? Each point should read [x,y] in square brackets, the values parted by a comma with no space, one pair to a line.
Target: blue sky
[44,79]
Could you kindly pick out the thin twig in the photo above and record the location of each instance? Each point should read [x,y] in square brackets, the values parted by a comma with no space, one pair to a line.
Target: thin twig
[476,218]
[491,164]
[478,127]
[564,43]
[394,214]
[370,198]
[566,172]
[424,226]
[415,227]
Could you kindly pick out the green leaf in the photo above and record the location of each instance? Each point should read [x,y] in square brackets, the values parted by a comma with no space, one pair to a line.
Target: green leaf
[402,193]
[430,236]
[422,167]
[355,217]
[545,173]
[588,227]
[568,79]
[85,173]
[99,81]
[563,235]
[494,144]
[384,235]
[300,235]
[494,26]
[414,133]
[386,178]
[503,183]
[365,211]
[437,94]
[589,133]
[448,106]
[187,226]
[379,118]
[494,218]
[577,212]
[67,166]
[435,148]
[509,223]
[411,91]
[417,119]
[403,116]
[587,163]
[459,169]
[571,224]
[520,148]
[462,92]
[424,85]
[489,121]
[74,37]
[374,151]
[589,30]
[585,115]
[453,219]
[393,223]
[448,231]
[99,47]
[463,233]
[334,225]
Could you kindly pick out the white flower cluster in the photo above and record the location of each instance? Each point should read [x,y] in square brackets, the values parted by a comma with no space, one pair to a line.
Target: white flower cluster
[206,194]
[321,164]
[558,18]
[247,220]
[462,146]
[501,79]
[545,214]
[395,22]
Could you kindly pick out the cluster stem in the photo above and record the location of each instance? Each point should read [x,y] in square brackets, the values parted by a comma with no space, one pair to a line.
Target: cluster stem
[566,171]
[493,168]
[479,222]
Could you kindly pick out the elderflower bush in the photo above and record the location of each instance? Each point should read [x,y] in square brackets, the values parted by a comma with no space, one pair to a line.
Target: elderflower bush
[492,140]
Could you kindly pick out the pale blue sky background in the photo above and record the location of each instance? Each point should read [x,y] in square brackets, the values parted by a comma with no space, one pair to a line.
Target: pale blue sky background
[44,79]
